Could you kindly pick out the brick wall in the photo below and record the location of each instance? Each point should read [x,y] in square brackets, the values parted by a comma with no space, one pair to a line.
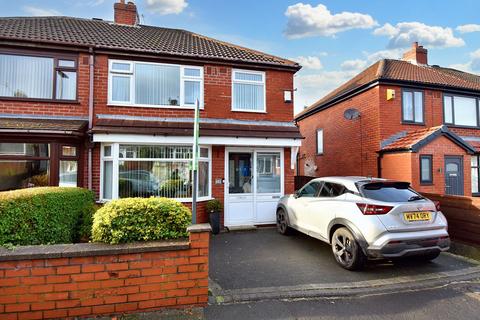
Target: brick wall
[174,275]
[397,166]
[346,151]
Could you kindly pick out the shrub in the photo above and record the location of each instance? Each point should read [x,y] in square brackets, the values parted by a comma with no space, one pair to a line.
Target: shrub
[44,215]
[214,205]
[140,219]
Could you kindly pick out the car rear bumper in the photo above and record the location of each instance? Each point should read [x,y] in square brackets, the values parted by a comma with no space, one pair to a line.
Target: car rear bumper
[410,246]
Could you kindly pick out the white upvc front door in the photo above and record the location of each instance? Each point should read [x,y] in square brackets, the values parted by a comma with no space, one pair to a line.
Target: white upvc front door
[254,182]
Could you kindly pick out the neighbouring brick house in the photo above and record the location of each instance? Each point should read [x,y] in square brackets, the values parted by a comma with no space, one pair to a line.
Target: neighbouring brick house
[406,120]
[109,106]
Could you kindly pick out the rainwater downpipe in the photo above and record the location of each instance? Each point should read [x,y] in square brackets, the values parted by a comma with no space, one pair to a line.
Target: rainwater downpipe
[91,63]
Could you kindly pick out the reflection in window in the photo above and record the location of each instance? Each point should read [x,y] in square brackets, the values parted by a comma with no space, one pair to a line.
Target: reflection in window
[269,173]
[18,174]
[68,173]
[66,85]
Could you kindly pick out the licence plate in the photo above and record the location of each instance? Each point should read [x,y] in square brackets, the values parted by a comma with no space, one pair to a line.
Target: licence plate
[417,216]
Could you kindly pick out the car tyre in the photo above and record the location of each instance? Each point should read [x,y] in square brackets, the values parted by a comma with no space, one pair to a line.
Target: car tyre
[346,250]
[282,223]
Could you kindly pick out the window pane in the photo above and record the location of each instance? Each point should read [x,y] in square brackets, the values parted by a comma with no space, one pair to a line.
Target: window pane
[121,88]
[319,141]
[474,161]
[426,169]
[69,151]
[157,84]
[25,149]
[26,77]
[192,92]
[107,151]
[107,179]
[310,190]
[191,72]
[447,101]
[66,85]
[18,174]
[117,66]
[465,111]
[268,173]
[248,76]
[407,106]
[66,63]
[474,180]
[155,152]
[418,106]
[203,152]
[248,97]
[203,179]
[240,173]
[68,174]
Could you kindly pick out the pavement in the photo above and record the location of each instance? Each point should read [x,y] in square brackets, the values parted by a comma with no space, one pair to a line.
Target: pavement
[264,265]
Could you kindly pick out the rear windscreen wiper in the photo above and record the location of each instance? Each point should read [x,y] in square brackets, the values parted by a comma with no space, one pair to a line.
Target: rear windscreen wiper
[415,198]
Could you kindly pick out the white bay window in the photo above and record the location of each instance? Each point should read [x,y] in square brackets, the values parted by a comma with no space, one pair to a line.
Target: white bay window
[148,84]
[248,91]
[131,170]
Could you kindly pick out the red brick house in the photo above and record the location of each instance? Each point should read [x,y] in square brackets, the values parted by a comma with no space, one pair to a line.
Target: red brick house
[109,106]
[406,120]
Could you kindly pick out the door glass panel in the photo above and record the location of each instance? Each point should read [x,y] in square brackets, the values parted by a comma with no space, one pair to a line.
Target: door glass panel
[452,167]
[240,172]
[268,173]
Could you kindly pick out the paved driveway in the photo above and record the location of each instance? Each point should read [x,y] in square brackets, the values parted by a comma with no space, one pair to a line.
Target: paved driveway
[264,258]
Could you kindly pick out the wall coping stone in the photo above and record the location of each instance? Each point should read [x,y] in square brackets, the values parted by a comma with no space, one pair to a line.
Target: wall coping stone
[202,227]
[89,249]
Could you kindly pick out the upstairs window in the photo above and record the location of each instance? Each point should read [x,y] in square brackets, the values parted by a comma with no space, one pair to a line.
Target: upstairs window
[248,91]
[412,106]
[154,84]
[461,111]
[35,77]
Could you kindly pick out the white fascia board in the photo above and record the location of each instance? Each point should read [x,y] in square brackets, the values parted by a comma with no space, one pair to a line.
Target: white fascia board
[227,141]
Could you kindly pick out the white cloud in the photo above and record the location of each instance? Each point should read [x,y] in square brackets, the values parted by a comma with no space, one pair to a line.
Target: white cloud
[164,7]
[472,66]
[353,65]
[404,33]
[307,21]
[36,11]
[385,54]
[467,28]
[309,62]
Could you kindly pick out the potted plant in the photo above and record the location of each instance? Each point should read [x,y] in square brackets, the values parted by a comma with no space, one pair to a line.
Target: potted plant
[214,207]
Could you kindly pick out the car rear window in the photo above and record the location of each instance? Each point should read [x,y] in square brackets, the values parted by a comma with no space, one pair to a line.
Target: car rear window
[388,191]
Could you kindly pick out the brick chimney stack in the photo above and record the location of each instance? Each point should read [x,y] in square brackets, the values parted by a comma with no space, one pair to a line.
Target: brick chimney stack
[125,13]
[417,54]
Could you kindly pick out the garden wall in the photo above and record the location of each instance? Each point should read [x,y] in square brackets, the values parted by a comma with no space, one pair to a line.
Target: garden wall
[463,216]
[66,281]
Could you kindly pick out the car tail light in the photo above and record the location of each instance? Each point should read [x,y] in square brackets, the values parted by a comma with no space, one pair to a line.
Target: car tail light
[371,209]
[437,205]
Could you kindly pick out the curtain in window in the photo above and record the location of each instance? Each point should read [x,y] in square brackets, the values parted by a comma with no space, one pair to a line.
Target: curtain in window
[192,91]
[66,85]
[248,96]
[157,84]
[26,77]
[121,88]
[407,106]
[107,179]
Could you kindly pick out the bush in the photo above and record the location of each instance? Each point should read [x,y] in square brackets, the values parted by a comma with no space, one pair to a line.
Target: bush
[214,205]
[44,215]
[140,219]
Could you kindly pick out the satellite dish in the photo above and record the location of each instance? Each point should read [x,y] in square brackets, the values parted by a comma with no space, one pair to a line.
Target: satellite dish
[351,114]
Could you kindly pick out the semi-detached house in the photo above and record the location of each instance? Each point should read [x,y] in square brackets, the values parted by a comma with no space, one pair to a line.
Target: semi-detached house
[399,119]
[109,106]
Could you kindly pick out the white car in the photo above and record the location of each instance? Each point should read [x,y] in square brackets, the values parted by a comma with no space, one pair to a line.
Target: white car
[365,218]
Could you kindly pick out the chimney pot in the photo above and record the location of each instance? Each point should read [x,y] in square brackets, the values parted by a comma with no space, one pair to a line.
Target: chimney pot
[125,13]
[417,54]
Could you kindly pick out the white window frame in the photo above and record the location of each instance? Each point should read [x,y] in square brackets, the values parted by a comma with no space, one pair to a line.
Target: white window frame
[131,75]
[115,158]
[263,82]
[318,145]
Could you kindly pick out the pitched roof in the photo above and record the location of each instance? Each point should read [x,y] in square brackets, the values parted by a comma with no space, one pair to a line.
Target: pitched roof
[414,140]
[398,70]
[141,38]
[15,126]
[186,129]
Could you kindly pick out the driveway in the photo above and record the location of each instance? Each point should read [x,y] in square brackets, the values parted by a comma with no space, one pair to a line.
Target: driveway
[264,258]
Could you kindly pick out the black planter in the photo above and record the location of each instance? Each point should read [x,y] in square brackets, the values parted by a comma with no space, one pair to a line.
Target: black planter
[214,219]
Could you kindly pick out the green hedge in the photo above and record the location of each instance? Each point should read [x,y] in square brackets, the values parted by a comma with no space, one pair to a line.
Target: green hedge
[45,215]
[140,219]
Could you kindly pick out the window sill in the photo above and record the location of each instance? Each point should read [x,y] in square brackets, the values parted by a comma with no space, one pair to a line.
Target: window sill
[115,105]
[39,100]
[426,184]
[249,111]
[182,200]
[460,126]
[413,123]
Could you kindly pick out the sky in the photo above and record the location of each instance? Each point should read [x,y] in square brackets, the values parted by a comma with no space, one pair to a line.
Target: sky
[332,39]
